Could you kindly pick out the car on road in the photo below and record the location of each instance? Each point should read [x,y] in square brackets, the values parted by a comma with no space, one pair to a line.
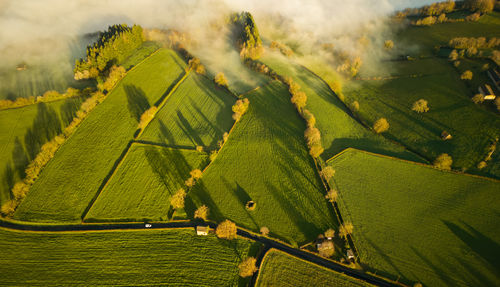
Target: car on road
[147,225]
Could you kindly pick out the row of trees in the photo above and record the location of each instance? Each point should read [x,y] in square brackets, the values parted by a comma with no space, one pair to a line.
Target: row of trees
[284,49]
[471,42]
[113,46]
[431,10]
[47,151]
[48,96]
[240,108]
[482,6]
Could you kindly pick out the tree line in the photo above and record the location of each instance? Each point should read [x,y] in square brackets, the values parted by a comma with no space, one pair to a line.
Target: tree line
[246,35]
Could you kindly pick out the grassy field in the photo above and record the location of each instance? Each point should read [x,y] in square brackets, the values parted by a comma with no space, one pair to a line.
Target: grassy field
[141,187]
[420,41]
[338,129]
[450,109]
[281,269]
[265,160]
[24,130]
[196,114]
[145,258]
[141,53]
[80,167]
[419,223]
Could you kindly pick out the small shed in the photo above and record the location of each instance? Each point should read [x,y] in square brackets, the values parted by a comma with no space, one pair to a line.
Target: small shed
[202,230]
[487,92]
[445,135]
[350,254]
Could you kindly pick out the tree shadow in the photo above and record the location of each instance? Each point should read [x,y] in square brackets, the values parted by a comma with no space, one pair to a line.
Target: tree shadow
[7,182]
[188,130]
[137,101]
[46,126]
[69,108]
[19,158]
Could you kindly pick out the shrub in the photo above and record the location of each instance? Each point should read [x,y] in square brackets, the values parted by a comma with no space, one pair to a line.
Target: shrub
[355,106]
[478,98]
[327,173]
[221,80]
[177,200]
[240,108]
[316,150]
[453,55]
[226,230]
[8,208]
[482,6]
[331,195]
[202,212]
[247,267]
[195,65]
[345,229]
[330,233]
[20,190]
[147,116]
[299,99]
[388,44]
[443,161]
[326,249]
[467,75]
[481,165]
[196,173]
[420,106]
[189,182]
[264,230]
[381,125]
[309,117]
[312,136]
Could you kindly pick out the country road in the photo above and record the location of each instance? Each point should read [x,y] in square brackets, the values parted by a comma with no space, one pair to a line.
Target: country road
[269,243]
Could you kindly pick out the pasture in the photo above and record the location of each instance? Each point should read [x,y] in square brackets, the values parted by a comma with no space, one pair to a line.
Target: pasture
[142,257]
[198,113]
[24,130]
[450,109]
[265,160]
[281,269]
[83,163]
[339,130]
[141,187]
[418,223]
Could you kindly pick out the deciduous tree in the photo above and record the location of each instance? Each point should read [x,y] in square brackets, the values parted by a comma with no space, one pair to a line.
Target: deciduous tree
[202,212]
[248,267]
[443,161]
[226,230]
[381,125]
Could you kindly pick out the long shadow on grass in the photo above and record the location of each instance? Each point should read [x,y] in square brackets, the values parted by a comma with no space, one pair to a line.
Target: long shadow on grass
[482,245]
[69,108]
[46,126]
[137,101]
[7,182]
[188,130]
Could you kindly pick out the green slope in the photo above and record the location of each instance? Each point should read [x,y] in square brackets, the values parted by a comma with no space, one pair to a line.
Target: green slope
[418,223]
[265,160]
[73,177]
[196,114]
[281,269]
[338,129]
[120,258]
[141,187]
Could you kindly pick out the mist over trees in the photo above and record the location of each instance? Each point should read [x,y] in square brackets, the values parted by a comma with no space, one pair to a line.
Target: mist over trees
[113,46]
[246,35]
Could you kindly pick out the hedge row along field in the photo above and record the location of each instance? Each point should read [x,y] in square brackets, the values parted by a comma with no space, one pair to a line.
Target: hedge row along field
[265,160]
[141,187]
[198,113]
[73,177]
[338,129]
[419,223]
[281,269]
[24,130]
[146,257]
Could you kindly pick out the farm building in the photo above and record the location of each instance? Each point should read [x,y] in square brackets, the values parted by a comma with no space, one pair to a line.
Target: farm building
[495,77]
[202,230]
[487,92]
[445,135]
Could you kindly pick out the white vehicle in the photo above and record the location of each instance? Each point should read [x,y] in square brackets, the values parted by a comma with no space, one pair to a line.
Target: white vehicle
[147,225]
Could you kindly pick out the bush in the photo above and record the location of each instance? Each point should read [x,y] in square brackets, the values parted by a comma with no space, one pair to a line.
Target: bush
[355,106]
[202,212]
[327,173]
[453,55]
[147,116]
[345,229]
[482,6]
[326,249]
[240,108]
[467,75]
[443,161]
[196,173]
[420,106]
[264,231]
[312,136]
[381,125]
[177,200]
[481,165]
[478,98]
[221,80]
[247,267]
[195,65]
[309,117]
[226,230]
[316,150]
[8,208]
[299,99]
[330,233]
[388,44]
[331,195]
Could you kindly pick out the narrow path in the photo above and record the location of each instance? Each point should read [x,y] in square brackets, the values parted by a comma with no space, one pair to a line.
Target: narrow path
[268,242]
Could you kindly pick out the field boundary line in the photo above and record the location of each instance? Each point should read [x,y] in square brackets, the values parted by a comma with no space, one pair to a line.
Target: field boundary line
[164,101]
[349,149]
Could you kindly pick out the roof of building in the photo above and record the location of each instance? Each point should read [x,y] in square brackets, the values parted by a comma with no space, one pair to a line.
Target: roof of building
[200,228]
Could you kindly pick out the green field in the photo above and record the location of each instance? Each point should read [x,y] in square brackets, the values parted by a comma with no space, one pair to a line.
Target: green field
[338,129]
[196,114]
[120,258]
[141,53]
[73,177]
[450,109]
[419,223]
[24,130]
[281,269]
[265,160]
[141,187]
